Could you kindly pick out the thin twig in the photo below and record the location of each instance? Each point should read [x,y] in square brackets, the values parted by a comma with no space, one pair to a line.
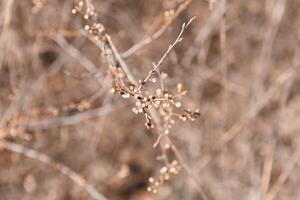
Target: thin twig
[69,120]
[159,32]
[283,176]
[189,171]
[4,26]
[143,43]
[121,61]
[231,86]
[89,4]
[84,61]
[33,154]
[203,34]
[156,66]
[266,175]
[252,112]
[263,66]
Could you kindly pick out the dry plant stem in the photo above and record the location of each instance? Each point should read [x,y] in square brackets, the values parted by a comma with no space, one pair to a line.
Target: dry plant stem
[252,112]
[211,4]
[7,16]
[159,32]
[143,43]
[62,32]
[224,57]
[263,65]
[179,10]
[203,34]
[121,61]
[177,154]
[207,73]
[89,4]
[34,87]
[76,178]
[290,83]
[156,119]
[69,120]
[266,175]
[113,57]
[84,61]
[283,176]
[99,93]
[156,66]
[189,171]
[84,33]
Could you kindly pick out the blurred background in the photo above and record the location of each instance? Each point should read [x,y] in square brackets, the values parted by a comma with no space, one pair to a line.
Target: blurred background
[239,63]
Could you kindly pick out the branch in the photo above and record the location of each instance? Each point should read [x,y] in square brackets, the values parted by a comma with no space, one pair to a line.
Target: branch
[84,61]
[252,113]
[156,66]
[35,155]
[120,60]
[69,120]
[203,34]
[158,33]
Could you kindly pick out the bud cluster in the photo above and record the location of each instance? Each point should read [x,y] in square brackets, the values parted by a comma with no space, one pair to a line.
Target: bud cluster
[165,174]
[89,15]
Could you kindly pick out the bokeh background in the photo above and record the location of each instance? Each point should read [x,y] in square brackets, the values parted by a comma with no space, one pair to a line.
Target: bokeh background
[241,70]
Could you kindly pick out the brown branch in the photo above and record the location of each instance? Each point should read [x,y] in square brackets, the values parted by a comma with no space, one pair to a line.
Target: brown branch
[250,114]
[113,58]
[204,34]
[121,61]
[283,176]
[35,155]
[158,33]
[263,65]
[69,120]
[156,66]
[84,61]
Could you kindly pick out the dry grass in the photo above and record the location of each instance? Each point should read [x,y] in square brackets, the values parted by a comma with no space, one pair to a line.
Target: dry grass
[65,135]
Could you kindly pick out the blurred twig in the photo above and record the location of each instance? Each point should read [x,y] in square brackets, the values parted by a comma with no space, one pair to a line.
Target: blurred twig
[69,120]
[283,176]
[33,154]
[263,67]
[203,34]
[177,40]
[250,114]
[207,73]
[121,61]
[158,33]
[266,175]
[83,60]
[5,20]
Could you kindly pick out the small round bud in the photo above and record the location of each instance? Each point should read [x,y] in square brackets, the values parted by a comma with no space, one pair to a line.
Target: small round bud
[151,179]
[80,4]
[178,104]
[87,27]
